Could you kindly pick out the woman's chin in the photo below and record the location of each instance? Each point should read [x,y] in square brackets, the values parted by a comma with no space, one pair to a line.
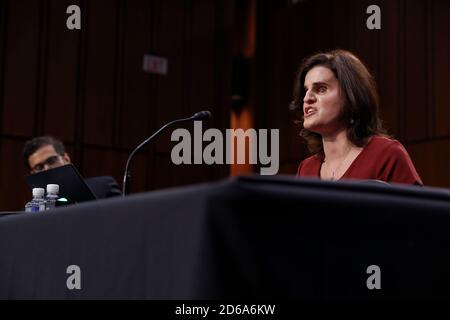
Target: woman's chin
[309,125]
[313,128]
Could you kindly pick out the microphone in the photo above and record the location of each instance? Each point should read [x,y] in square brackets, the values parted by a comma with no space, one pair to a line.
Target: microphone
[199,116]
[202,115]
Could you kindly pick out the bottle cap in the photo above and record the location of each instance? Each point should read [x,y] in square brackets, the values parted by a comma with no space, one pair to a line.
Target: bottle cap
[52,188]
[38,192]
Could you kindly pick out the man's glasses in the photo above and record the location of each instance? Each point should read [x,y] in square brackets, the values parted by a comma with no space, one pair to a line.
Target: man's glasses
[50,162]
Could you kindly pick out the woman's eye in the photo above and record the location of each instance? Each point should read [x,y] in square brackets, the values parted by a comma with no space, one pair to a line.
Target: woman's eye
[322,89]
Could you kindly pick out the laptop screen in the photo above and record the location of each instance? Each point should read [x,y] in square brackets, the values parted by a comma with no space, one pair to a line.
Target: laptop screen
[71,184]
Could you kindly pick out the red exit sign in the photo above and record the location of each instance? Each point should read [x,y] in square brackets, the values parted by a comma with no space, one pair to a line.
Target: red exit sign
[155,64]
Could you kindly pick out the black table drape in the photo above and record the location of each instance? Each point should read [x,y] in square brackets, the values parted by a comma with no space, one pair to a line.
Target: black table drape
[253,237]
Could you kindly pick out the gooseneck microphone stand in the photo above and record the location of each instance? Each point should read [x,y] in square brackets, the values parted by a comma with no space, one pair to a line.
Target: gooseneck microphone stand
[202,115]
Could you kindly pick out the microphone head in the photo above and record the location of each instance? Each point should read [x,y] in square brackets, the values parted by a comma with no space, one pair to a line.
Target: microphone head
[202,115]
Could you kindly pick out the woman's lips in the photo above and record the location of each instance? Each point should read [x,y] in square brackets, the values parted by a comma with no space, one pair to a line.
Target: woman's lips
[309,112]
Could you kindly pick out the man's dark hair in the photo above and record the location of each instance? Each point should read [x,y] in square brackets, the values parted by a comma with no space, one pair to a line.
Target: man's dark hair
[361,102]
[31,146]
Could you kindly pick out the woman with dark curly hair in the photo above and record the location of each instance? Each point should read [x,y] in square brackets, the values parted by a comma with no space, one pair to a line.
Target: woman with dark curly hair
[340,121]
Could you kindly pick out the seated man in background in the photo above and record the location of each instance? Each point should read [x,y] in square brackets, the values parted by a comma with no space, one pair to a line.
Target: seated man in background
[46,152]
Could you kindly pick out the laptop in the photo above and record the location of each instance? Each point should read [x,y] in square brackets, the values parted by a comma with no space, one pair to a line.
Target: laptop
[72,186]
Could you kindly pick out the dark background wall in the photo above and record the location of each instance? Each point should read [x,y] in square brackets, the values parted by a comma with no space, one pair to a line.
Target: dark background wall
[87,87]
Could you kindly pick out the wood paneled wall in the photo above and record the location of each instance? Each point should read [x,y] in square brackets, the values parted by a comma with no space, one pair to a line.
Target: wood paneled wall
[409,57]
[87,87]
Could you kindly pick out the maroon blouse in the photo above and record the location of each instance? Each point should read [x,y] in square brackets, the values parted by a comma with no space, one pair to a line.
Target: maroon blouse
[381,159]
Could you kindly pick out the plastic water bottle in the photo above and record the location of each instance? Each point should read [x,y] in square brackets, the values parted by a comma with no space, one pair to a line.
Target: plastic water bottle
[37,204]
[52,196]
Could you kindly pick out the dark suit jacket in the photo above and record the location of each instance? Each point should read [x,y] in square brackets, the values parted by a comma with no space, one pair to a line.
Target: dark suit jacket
[103,187]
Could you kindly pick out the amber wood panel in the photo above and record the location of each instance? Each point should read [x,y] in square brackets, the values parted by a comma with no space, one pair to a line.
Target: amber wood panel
[61,74]
[415,59]
[14,191]
[101,66]
[135,87]
[203,63]
[21,70]
[441,66]
[223,43]
[367,41]
[388,74]
[3,23]
[283,67]
[172,90]
[345,26]
[322,36]
[431,159]
[204,32]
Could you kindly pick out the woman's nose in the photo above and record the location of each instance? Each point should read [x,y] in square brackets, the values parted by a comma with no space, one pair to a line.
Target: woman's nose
[308,97]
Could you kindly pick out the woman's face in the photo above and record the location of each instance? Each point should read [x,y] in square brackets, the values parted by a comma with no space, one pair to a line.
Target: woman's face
[322,103]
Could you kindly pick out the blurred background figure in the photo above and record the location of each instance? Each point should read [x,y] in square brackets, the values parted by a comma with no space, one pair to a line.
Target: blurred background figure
[46,152]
